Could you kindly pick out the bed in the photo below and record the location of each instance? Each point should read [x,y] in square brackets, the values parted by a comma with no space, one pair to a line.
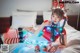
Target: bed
[28,19]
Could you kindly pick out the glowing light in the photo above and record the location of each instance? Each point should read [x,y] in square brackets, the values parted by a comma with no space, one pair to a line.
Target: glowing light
[60,29]
[48,28]
[57,33]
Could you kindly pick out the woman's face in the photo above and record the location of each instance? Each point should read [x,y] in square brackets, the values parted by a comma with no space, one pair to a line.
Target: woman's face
[55,19]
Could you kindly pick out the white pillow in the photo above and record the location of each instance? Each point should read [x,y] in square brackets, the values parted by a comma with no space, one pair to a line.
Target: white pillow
[23,19]
[47,15]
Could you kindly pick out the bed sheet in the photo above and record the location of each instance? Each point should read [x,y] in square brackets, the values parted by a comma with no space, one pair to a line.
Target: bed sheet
[72,33]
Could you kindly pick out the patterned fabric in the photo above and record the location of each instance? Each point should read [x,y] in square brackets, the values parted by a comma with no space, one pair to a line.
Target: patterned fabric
[11,40]
[11,37]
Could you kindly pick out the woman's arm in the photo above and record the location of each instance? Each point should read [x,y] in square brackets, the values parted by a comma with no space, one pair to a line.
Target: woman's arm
[57,45]
[41,27]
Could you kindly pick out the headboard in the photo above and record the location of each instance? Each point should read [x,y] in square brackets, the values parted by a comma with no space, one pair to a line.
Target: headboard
[74,21]
[5,23]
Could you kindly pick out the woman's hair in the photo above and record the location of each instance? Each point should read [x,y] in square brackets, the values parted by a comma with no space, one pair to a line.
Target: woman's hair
[58,12]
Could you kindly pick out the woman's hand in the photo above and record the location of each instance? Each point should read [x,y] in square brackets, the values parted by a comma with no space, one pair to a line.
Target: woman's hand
[46,23]
[52,49]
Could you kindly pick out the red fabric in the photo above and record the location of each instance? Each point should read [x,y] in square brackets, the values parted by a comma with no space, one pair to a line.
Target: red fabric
[61,4]
[55,3]
[64,32]
[45,21]
[11,36]
[47,34]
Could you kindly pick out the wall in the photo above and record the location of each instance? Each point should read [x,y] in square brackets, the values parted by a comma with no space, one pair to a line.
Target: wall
[74,9]
[8,6]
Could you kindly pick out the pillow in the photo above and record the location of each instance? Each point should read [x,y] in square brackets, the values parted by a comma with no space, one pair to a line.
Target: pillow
[23,19]
[47,15]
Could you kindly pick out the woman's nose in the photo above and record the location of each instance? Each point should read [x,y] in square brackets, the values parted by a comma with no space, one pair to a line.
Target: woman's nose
[54,19]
